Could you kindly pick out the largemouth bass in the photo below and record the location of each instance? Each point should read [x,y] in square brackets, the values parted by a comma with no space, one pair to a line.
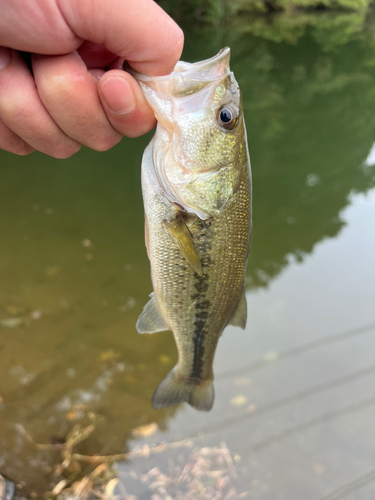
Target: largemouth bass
[196,187]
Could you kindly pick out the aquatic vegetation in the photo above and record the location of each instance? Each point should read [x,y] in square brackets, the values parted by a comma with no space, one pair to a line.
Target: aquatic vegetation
[206,472]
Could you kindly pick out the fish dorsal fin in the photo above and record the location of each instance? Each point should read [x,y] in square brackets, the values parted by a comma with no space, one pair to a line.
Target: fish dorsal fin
[240,315]
[150,320]
[184,239]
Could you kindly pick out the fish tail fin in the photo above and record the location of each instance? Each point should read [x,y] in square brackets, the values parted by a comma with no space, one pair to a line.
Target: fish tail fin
[174,390]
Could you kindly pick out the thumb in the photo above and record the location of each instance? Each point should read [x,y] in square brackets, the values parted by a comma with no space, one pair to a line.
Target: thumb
[136,30]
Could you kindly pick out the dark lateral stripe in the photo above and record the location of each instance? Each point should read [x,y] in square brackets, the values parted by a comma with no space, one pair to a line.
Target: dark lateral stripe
[202,305]
[198,359]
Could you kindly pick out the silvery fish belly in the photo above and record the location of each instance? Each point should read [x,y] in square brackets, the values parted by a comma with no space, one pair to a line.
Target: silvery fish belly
[197,195]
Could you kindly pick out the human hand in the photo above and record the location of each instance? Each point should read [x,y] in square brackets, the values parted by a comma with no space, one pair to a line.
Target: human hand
[77,92]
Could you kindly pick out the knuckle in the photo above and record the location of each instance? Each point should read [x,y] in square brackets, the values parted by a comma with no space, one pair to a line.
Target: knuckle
[18,148]
[14,107]
[140,125]
[23,150]
[11,142]
[134,133]
[57,85]
[106,143]
[66,152]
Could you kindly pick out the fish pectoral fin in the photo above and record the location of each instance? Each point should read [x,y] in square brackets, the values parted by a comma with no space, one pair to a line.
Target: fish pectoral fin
[240,315]
[174,390]
[150,320]
[184,239]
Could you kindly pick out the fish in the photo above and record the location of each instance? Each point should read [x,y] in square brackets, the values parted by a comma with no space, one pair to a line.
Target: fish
[197,193]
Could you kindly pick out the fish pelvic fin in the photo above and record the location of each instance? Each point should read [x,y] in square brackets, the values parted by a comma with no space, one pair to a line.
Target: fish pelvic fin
[175,389]
[150,320]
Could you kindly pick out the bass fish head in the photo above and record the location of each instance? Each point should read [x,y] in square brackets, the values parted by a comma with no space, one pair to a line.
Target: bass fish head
[199,145]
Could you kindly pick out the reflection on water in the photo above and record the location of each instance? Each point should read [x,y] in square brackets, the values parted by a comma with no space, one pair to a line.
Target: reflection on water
[74,271]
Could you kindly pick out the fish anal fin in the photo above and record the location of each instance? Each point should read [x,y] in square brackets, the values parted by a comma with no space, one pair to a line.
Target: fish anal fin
[240,315]
[150,320]
[184,239]
[174,390]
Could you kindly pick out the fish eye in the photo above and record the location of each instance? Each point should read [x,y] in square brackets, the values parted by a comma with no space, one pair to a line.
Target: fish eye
[227,117]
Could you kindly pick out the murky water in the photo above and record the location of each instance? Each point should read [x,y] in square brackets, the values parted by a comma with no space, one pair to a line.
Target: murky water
[295,391]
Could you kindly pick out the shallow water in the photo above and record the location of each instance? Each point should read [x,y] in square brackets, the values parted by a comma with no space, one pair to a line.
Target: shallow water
[295,391]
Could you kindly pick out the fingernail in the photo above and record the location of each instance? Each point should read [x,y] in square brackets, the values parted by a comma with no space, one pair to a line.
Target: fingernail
[5,57]
[118,95]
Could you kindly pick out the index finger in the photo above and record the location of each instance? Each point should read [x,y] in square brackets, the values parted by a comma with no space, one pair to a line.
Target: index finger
[138,30]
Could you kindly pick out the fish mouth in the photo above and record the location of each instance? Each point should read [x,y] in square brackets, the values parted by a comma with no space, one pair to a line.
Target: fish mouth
[188,78]
[204,68]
